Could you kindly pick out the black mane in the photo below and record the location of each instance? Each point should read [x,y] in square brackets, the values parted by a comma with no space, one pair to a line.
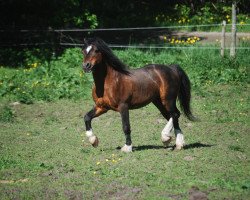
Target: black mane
[108,55]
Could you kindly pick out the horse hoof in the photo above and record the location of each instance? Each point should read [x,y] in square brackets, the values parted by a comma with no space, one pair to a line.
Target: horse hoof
[94,141]
[179,147]
[126,148]
[166,140]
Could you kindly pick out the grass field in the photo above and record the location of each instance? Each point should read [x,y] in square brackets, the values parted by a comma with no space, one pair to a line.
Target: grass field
[45,155]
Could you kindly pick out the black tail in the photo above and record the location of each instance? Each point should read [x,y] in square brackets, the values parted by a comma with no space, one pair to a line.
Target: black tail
[184,95]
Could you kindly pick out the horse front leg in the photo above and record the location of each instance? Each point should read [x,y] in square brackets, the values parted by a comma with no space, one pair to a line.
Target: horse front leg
[124,111]
[95,112]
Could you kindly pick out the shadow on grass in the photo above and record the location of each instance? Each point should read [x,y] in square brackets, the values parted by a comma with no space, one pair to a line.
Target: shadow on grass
[197,145]
[171,147]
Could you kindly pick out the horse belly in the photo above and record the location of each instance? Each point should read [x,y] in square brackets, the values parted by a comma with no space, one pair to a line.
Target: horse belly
[142,98]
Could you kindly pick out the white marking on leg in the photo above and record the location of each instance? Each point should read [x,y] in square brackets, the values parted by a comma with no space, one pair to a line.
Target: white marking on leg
[92,138]
[166,132]
[89,133]
[127,148]
[179,139]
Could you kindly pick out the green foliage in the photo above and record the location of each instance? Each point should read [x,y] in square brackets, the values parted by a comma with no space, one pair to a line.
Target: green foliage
[123,13]
[60,78]
[44,14]
[63,77]
[204,67]
[6,114]
[206,13]
[16,58]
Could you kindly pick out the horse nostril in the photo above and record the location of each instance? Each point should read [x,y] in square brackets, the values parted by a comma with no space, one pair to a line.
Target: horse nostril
[88,65]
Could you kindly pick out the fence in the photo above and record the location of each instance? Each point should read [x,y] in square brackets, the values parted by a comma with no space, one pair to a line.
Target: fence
[137,37]
[65,35]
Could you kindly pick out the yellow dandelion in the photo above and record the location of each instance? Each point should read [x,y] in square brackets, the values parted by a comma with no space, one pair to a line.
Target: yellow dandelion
[107,160]
[94,172]
[227,16]
[98,163]
[165,38]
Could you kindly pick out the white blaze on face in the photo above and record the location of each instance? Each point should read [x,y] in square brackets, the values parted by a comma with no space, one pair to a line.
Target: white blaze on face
[88,49]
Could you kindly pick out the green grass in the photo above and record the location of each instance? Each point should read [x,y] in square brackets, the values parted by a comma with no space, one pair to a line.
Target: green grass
[43,155]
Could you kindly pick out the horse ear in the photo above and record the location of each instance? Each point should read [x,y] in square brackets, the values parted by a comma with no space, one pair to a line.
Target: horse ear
[85,44]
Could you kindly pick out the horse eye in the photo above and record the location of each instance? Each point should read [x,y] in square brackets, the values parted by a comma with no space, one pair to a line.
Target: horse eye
[97,51]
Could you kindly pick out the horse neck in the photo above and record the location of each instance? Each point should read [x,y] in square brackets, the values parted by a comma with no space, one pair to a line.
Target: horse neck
[103,73]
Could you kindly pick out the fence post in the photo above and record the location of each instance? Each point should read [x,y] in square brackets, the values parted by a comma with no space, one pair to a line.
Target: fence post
[233,36]
[223,32]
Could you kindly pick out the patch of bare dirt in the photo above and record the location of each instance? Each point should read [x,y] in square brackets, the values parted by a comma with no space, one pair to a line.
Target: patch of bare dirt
[118,192]
[196,194]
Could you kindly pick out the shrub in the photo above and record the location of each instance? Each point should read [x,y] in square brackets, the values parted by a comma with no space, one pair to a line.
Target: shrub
[63,77]
[6,114]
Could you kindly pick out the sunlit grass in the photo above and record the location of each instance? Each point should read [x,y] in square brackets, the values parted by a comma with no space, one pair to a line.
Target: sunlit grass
[45,154]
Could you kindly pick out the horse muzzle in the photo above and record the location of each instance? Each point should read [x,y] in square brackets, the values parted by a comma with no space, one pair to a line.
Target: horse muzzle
[87,67]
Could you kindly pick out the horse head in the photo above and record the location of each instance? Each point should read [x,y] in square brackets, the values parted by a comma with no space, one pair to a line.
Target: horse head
[92,57]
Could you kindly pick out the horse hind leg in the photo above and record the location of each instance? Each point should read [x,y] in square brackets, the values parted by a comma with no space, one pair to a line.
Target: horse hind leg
[166,134]
[172,114]
[178,133]
[123,108]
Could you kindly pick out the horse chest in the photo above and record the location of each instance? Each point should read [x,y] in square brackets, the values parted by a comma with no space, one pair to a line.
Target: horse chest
[105,102]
